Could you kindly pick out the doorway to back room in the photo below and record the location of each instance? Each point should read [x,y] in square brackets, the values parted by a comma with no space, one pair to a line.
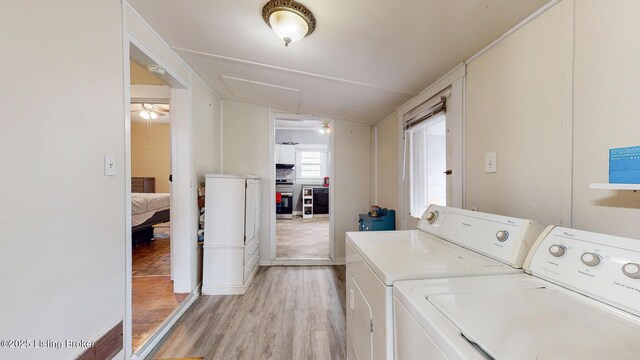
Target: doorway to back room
[303,181]
[153,299]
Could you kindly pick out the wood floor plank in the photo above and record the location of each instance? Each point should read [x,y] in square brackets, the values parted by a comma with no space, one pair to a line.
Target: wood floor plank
[302,238]
[294,281]
[321,349]
[288,313]
[153,299]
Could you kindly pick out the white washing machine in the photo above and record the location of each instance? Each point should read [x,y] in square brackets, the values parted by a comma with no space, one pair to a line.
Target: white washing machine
[579,299]
[448,243]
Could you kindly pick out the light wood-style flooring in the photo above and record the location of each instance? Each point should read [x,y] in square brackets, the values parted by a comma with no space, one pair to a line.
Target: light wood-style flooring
[288,313]
[153,299]
[302,238]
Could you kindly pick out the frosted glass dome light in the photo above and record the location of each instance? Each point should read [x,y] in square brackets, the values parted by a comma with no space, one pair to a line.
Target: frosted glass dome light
[145,114]
[289,26]
[290,20]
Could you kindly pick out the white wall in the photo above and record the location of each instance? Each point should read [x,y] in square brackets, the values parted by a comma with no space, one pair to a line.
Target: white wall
[246,151]
[552,101]
[387,171]
[207,134]
[516,106]
[62,256]
[62,263]
[607,89]
[352,178]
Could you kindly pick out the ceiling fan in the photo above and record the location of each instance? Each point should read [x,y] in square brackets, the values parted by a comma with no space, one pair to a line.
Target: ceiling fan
[150,111]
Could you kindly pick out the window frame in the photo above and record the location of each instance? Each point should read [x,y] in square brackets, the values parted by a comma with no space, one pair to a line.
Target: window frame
[322,150]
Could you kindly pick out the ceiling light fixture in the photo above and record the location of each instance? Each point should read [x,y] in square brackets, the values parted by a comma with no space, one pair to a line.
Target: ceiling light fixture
[290,20]
[325,129]
[148,112]
[156,69]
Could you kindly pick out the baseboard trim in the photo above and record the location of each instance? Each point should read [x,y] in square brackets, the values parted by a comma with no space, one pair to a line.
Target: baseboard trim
[230,289]
[303,262]
[156,337]
[107,346]
[299,213]
[223,290]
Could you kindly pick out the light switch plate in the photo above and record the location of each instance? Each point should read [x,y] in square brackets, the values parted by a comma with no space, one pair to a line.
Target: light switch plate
[109,165]
[490,163]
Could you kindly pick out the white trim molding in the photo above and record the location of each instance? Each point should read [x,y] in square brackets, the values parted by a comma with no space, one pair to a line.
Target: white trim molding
[143,44]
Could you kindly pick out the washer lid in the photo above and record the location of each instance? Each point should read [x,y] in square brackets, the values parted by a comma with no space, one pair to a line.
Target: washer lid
[540,323]
[409,255]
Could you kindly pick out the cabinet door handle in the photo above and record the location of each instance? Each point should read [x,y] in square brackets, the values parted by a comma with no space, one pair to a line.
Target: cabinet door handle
[351,299]
[448,172]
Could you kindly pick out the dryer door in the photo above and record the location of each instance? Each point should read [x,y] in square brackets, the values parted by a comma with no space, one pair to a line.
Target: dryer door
[360,321]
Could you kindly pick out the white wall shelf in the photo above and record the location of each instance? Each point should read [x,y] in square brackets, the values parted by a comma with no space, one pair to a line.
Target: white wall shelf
[606,186]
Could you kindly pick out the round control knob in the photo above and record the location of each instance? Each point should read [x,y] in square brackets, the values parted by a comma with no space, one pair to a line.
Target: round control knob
[590,259]
[502,235]
[632,270]
[431,216]
[557,250]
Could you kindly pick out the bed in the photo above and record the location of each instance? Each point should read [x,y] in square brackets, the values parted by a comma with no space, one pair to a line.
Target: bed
[148,208]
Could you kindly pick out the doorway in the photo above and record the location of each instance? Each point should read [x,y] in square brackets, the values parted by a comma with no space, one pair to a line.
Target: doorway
[302,162]
[153,295]
[172,274]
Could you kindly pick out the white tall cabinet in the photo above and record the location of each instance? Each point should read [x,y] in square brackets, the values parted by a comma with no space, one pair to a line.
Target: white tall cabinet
[231,233]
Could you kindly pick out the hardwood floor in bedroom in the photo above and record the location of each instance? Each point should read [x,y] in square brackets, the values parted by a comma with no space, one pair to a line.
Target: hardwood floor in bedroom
[287,313]
[153,299]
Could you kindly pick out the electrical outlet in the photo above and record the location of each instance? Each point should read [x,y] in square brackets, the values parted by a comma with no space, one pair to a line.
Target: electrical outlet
[490,163]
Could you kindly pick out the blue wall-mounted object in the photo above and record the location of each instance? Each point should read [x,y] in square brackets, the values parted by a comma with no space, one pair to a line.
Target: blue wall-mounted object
[386,220]
[624,165]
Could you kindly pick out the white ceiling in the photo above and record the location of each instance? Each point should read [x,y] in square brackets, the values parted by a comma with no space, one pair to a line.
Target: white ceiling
[364,59]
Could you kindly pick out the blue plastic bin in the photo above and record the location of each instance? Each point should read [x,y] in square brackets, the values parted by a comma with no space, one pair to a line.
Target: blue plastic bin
[386,220]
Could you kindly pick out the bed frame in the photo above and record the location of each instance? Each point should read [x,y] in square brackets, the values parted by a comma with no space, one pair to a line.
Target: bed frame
[144,232]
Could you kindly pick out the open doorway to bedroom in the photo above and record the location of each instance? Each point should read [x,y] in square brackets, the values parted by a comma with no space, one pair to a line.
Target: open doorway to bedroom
[302,156]
[153,299]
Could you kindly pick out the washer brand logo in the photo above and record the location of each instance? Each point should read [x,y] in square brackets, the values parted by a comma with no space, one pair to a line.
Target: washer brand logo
[511,221]
[465,224]
[568,234]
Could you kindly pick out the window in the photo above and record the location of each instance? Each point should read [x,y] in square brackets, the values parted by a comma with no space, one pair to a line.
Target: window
[427,164]
[310,164]
[311,161]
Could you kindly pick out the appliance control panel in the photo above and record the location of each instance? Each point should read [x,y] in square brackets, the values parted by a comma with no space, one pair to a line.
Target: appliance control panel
[503,238]
[604,267]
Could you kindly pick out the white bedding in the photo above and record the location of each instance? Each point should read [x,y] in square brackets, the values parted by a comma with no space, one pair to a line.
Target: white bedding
[143,202]
[144,205]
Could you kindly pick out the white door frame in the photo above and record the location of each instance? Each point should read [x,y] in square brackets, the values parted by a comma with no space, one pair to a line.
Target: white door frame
[184,248]
[271,258]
